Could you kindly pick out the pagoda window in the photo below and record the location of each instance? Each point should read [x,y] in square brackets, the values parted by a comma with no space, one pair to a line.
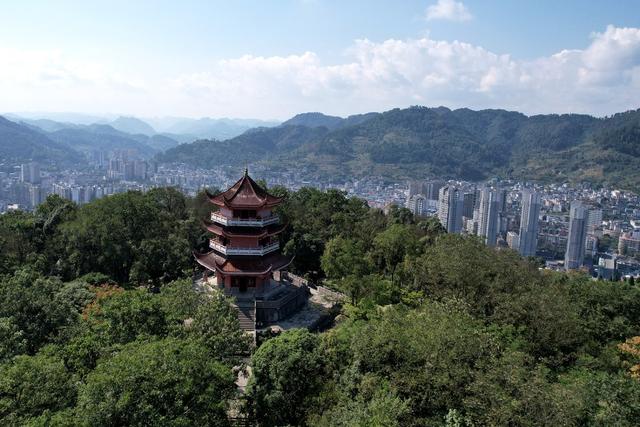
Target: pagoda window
[244,213]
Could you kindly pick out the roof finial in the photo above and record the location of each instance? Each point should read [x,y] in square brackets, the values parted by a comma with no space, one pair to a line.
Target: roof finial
[246,170]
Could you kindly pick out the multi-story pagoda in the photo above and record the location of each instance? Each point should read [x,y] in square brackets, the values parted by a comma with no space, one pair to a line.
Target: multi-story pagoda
[245,250]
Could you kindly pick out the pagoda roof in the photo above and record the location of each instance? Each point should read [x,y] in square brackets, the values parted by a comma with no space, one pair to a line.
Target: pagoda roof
[245,193]
[243,231]
[243,266]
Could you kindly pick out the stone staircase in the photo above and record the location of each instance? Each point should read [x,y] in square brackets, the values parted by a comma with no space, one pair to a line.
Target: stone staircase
[246,314]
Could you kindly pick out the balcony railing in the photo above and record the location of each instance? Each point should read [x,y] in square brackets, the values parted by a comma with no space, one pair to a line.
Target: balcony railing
[234,250]
[244,222]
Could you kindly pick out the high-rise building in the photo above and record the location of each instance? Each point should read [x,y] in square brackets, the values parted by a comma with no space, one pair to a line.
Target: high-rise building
[529,223]
[415,187]
[450,208]
[468,202]
[513,240]
[417,204]
[30,172]
[36,196]
[629,243]
[574,256]
[488,215]
[431,189]
[594,220]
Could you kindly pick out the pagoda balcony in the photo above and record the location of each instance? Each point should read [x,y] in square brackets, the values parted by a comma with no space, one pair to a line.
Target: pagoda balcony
[244,222]
[235,250]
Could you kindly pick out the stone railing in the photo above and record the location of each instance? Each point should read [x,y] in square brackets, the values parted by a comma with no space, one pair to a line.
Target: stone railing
[244,222]
[234,250]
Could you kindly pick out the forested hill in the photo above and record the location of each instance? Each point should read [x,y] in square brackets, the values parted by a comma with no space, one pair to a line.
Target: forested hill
[100,325]
[65,144]
[18,143]
[421,142]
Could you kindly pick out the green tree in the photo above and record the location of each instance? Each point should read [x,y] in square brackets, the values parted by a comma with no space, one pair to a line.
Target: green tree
[12,340]
[124,316]
[166,382]
[344,257]
[286,372]
[392,245]
[400,215]
[31,385]
[215,324]
[37,307]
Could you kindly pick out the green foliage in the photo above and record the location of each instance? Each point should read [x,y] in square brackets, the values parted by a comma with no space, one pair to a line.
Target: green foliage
[286,373]
[126,316]
[441,329]
[31,385]
[392,245]
[344,257]
[38,308]
[12,340]
[315,217]
[215,324]
[165,382]
[131,237]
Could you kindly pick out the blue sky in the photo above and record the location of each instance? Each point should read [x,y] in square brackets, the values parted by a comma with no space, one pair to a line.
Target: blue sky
[271,59]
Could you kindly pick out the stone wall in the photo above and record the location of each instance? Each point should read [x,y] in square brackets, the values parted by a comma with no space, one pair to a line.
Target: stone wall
[271,311]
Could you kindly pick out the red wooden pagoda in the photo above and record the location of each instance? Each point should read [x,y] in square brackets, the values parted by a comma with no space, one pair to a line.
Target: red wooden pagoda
[245,249]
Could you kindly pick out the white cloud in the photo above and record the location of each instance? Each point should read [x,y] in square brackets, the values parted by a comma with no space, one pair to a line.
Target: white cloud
[449,10]
[601,79]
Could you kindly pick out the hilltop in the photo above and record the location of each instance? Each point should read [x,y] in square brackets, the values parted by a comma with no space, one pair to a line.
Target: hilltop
[420,142]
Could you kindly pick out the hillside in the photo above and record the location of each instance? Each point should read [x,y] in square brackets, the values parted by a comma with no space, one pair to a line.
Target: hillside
[330,122]
[206,127]
[248,147]
[132,125]
[420,142]
[20,143]
[104,137]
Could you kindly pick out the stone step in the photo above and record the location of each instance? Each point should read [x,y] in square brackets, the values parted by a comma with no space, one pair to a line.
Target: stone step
[247,316]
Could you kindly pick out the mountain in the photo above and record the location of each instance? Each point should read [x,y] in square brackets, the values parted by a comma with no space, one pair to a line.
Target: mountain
[330,122]
[104,137]
[420,142]
[207,127]
[20,143]
[314,120]
[76,118]
[248,147]
[132,125]
[47,125]
[162,142]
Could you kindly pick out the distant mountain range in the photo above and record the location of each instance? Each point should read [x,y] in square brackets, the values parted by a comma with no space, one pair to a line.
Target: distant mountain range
[176,128]
[416,142]
[49,141]
[20,143]
[420,142]
[25,137]
[207,128]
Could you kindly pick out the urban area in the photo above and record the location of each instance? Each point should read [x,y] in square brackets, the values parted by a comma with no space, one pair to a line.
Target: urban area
[565,227]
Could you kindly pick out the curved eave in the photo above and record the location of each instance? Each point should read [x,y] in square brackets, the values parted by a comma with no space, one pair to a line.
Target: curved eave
[221,231]
[227,198]
[224,203]
[285,264]
[214,262]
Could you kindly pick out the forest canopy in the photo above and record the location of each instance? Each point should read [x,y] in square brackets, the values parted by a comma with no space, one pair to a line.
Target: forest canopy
[100,325]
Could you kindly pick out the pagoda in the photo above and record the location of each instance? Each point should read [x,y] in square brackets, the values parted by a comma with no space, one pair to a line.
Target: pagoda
[245,249]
